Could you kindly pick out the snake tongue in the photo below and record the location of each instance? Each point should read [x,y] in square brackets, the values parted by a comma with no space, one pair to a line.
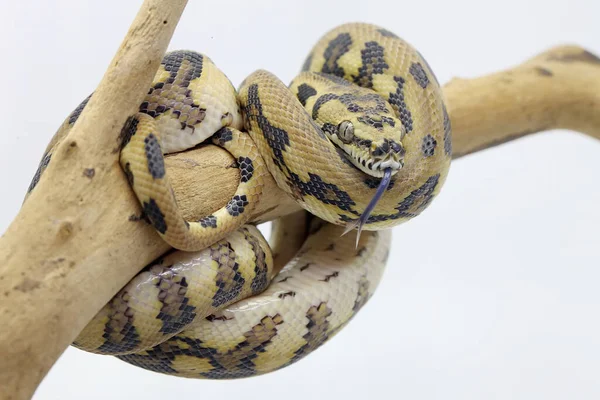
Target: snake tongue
[362,220]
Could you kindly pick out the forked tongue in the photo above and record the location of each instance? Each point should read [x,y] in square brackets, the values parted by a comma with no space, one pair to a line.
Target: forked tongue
[360,222]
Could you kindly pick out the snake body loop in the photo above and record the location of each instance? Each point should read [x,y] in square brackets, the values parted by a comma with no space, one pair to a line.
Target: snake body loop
[365,106]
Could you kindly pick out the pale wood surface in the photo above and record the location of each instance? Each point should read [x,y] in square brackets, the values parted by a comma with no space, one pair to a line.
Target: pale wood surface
[558,89]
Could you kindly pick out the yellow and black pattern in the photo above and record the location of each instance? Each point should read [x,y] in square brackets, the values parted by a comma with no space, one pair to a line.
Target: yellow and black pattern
[361,74]
[143,162]
[308,303]
[188,103]
[179,289]
[366,103]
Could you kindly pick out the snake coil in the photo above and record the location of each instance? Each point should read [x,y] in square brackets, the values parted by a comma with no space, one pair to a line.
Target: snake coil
[360,139]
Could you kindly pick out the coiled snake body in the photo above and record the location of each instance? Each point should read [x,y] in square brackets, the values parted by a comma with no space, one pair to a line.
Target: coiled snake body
[360,139]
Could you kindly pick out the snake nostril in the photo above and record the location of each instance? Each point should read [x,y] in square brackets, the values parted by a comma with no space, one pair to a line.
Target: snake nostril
[397,148]
[378,152]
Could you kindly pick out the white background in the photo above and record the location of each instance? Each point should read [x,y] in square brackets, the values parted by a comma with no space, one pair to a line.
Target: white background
[491,293]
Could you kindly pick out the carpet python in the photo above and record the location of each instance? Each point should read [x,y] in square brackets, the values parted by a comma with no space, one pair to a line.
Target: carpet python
[360,139]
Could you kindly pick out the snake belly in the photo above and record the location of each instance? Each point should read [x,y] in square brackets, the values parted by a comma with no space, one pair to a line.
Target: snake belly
[225,309]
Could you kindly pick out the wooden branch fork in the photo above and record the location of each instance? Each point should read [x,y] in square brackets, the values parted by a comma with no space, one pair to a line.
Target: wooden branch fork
[78,239]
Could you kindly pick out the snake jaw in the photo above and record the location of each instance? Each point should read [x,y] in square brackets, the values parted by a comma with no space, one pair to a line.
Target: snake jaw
[374,166]
[391,162]
[362,220]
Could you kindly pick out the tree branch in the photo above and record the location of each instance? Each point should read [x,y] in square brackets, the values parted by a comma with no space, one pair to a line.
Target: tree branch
[558,89]
[68,250]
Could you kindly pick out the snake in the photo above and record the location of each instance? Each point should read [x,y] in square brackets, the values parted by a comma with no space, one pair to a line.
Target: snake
[360,139]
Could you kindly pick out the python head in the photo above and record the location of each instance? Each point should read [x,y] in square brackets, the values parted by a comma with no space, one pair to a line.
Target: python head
[372,156]
[358,121]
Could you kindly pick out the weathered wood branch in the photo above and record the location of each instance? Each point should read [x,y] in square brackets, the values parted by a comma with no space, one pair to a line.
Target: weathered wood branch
[79,238]
[558,89]
[68,249]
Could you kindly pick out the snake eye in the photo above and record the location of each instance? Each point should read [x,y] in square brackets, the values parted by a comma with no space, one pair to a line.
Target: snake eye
[345,131]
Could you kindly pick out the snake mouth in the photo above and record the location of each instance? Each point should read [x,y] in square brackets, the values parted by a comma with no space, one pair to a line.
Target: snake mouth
[375,168]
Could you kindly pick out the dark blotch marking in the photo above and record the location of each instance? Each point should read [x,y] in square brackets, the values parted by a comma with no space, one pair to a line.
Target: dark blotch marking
[277,139]
[129,174]
[174,94]
[373,62]
[398,103]
[237,362]
[321,101]
[304,92]
[351,101]
[213,317]
[317,328]
[129,129]
[260,280]
[329,128]
[325,192]
[418,199]
[209,221]
[330,276]
[376,123]
[77,112]
[362,296]
[428,146]
[174,316]
[156,162]
[223,136]
[365,143]
[336,49]
[429,68]
[387,147]
[229,279]
[236,205]
[246,168]
[286,294]
[447,132]
[120,334]
[155,215]
[417,71]
[172,63]
[40,170]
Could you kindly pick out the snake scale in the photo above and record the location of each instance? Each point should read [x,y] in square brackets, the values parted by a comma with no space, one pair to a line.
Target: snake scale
[360,139]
